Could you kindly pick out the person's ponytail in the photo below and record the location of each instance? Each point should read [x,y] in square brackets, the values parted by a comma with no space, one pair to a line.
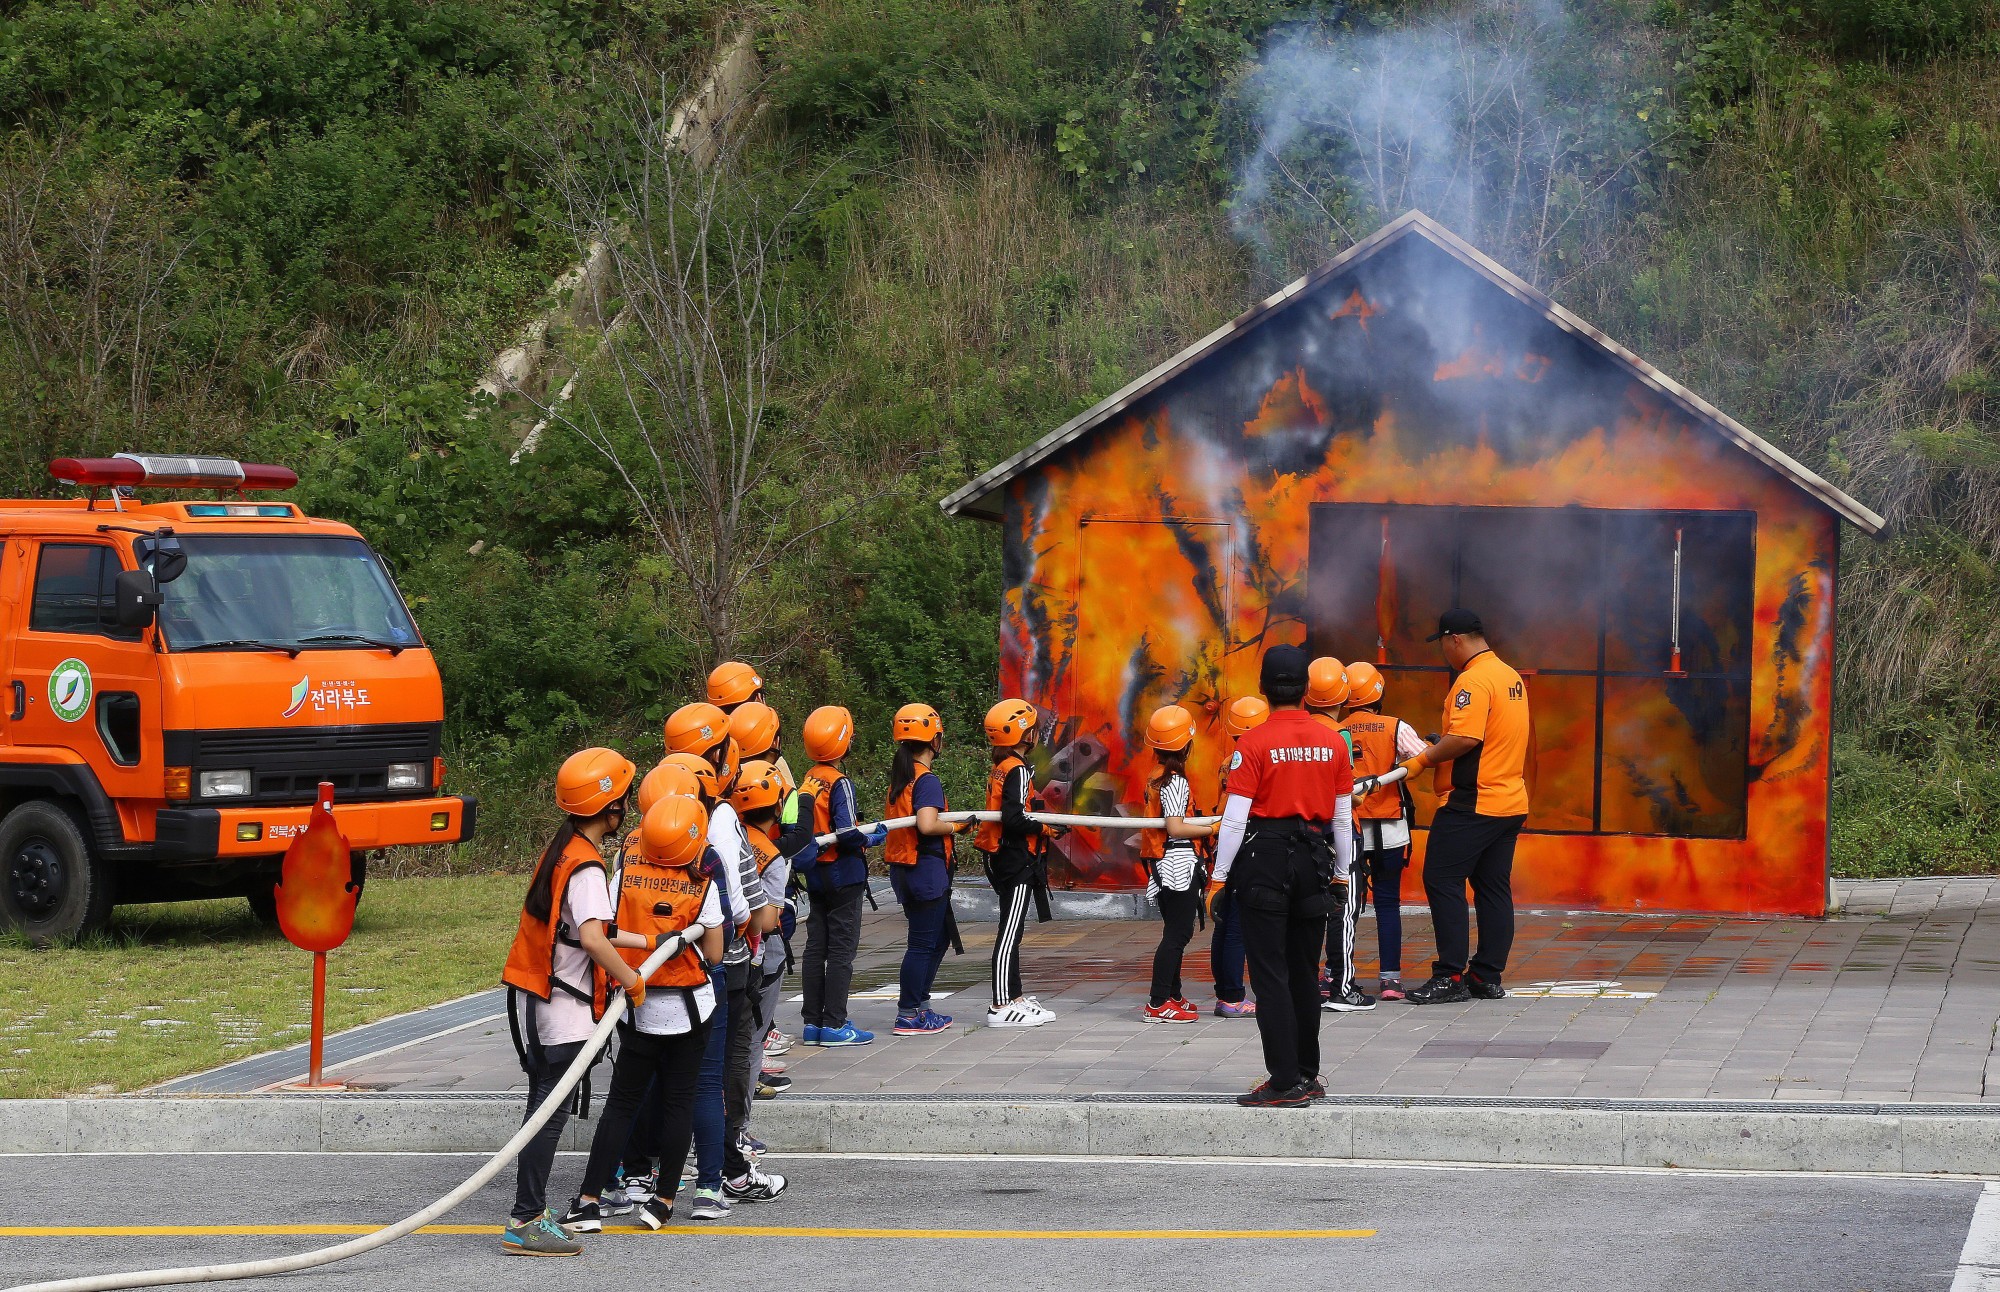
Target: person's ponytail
[903,771]
[541,898]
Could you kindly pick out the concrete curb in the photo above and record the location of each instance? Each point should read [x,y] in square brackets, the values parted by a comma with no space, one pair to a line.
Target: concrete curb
[1927,1139]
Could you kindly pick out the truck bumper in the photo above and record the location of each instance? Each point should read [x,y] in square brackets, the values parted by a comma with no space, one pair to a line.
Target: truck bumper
[197,834]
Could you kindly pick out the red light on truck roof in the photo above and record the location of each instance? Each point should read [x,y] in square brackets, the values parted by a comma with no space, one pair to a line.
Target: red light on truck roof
[171,472]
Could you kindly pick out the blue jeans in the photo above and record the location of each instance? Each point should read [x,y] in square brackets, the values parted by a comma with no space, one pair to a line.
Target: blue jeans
[1226,954]
[925,952]
[710,1115]
[1385,885]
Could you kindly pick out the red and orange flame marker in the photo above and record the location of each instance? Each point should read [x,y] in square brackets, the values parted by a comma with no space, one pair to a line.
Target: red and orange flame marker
[316,893]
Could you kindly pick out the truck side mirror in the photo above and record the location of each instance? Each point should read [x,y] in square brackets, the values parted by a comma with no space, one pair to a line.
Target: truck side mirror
[135,598]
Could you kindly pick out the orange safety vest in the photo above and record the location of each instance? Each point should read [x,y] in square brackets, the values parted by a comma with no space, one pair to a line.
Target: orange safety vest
[1373,736]
[987,837]
[901,847]
[531,961]
[655,899]
[818,785]
[763,845]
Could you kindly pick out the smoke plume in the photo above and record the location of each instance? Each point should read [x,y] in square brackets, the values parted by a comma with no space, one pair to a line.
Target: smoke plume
[1514,122]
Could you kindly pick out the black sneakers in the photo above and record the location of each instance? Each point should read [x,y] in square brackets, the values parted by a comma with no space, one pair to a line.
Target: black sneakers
[1315,1088]
[1441,989]
[1299,1096]
[584,1218]
[1483,990]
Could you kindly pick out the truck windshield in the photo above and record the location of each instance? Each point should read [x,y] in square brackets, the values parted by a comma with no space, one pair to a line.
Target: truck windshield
[252,592]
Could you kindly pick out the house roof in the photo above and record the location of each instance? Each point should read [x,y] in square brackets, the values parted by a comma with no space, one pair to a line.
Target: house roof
[981,496]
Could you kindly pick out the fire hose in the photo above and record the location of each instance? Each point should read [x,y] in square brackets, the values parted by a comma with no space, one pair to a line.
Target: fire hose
[613,1013]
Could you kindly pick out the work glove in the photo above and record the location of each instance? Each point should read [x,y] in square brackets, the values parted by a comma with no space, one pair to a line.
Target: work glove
[636,993]
[877,837]
[1413,765]
[1365,786]
[1215,887]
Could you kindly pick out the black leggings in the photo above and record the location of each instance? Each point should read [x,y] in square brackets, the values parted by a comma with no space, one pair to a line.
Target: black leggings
[673,1065]
[1177,911]
[531,1183]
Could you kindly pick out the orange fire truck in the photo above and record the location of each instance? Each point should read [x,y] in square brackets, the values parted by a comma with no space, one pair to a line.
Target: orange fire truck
[176,679]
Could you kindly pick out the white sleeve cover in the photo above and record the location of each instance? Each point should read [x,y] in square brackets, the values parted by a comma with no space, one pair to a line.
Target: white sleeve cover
[1235,816]
[1408,743]
[1343,834]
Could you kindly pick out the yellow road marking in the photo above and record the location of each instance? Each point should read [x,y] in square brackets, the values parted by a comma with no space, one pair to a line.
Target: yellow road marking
[744,1231]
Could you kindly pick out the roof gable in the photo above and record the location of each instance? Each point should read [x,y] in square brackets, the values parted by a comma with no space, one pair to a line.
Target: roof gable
[981,496]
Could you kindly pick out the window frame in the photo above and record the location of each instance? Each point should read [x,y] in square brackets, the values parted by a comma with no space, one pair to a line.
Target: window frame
[107,627]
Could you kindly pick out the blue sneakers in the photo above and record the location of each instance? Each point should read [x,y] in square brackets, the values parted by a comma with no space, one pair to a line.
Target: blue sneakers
[809,1035]
[846,1034]
[921,1023]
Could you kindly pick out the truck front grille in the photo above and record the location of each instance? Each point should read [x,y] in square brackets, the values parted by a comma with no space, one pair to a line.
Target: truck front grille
[289,763]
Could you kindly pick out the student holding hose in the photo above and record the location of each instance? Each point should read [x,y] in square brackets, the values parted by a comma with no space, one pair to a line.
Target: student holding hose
[549,972]
[920,858]
[669,892]
[1016,862]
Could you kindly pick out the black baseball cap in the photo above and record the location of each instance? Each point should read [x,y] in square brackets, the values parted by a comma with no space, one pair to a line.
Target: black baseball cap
[1457,620]
[1285,669]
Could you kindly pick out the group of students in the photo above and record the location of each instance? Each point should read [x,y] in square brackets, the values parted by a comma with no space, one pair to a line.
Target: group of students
[1347,699]
[725,840]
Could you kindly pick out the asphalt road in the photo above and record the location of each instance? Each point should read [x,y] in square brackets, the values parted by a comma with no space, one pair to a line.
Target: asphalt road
[1493,1230]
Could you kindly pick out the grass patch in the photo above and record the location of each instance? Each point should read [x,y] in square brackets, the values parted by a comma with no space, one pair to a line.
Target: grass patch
[173,989]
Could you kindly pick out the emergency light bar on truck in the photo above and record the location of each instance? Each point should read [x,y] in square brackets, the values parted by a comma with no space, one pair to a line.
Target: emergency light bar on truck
[162,471]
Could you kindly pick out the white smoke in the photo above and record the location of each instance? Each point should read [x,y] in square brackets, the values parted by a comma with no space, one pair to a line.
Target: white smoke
[1510,121]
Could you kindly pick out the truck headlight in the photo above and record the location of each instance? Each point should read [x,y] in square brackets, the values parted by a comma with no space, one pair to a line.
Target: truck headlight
[225,785]
[406,776]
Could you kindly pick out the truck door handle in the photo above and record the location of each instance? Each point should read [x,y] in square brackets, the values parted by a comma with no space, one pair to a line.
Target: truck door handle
[20,702]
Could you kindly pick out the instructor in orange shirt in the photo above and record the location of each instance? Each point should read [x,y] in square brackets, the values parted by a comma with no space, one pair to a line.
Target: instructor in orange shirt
[1482,772]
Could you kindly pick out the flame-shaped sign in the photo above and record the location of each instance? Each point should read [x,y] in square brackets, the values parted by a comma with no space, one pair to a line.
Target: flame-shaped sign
[316,891]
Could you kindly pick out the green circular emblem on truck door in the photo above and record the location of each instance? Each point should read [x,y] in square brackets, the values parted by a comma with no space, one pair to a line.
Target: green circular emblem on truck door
[69,690]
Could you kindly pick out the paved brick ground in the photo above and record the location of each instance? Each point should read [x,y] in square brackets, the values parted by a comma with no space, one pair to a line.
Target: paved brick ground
[1895,999]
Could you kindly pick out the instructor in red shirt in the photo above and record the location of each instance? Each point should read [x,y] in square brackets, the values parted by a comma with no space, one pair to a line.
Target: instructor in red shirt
[1286,837]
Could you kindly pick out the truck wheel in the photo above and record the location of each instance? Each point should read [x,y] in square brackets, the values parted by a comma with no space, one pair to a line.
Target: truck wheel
[53,887]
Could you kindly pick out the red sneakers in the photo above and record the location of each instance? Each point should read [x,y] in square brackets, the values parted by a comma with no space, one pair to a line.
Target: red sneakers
[1171,1012]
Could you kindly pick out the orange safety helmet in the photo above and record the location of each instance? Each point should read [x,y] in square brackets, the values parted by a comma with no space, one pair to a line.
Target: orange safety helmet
[667,778]
[696,728]
[754,727]
[591,780]
[1170,729]
[1326,683]
[1243,713]
[674,832]
[1010,722]
[829,733]
[758,785]
[706,778]
[732,683]
[1365,684]
[917,722]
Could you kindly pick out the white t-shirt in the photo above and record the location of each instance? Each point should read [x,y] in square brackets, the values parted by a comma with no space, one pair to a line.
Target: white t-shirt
[664,1011]
[1175,870]
[565,1018]
[777,876]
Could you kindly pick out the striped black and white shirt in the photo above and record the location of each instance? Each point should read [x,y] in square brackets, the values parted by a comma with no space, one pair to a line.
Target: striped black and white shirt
[1175,869]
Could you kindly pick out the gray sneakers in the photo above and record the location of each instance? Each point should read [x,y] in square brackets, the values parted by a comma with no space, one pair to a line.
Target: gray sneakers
[542,1236]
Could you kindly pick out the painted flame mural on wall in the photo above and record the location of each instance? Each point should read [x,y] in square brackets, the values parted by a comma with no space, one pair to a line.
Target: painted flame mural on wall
[1402,436]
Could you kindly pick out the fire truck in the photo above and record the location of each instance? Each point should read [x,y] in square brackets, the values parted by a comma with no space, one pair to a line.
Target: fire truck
[177,677]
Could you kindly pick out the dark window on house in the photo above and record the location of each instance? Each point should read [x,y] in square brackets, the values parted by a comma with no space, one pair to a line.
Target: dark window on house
[1641,715]
[74,585]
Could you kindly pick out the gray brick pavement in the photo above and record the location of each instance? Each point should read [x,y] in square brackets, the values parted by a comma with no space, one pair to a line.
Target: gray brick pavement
[1896,998]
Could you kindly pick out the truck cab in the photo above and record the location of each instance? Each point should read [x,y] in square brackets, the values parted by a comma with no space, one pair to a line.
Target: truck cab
[176,679]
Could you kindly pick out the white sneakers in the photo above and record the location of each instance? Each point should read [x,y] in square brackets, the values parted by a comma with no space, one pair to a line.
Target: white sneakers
[1025,1012]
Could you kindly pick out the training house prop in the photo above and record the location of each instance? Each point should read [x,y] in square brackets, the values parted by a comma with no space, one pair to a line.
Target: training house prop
[1409,428]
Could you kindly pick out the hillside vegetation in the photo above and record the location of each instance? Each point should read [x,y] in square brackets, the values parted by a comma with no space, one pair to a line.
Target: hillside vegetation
[298,234]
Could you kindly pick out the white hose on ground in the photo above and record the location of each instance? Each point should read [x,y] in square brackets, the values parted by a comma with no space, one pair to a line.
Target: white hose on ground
[409,1224]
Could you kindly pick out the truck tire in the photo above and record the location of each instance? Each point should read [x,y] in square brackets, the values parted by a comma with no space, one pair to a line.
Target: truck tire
[51,887]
